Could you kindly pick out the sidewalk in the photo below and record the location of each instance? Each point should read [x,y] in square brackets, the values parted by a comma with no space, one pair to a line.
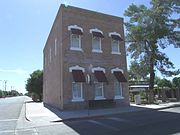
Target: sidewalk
[36,112]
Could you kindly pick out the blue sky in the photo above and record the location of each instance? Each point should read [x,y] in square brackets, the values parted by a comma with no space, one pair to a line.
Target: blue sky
[25,25]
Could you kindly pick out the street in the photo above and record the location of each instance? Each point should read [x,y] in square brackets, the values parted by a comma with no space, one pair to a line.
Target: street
[162,122]
[9,113]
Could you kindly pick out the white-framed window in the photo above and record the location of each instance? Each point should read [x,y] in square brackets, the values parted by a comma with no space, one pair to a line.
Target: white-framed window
[75,42]
[77,91]
[115,46]
[55,46]
[118,90]
[99,90]
[50,53]
[96,44]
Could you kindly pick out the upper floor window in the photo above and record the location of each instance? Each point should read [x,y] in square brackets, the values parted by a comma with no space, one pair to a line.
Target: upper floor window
[115,46]
[75,41]
[96,44]
[55,46]
[97,36]
[76,33]
[116,38]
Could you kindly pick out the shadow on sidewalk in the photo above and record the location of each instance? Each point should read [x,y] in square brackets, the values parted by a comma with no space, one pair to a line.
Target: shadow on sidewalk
[69,115]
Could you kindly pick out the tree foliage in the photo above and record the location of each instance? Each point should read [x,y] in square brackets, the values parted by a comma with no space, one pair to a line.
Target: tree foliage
[138,71]
[11,93]
[35,83]
[176,84]
[164,83]
[150,30]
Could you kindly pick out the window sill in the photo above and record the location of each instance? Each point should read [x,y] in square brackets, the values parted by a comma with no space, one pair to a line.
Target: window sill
[76,49]
[118,97]
[99,98]
[118,53]
[97,51]
[78,100]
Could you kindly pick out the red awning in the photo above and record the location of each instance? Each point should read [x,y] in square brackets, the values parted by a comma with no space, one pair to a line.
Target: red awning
[100,76]
[116,37]
[119,76]
[97,34]
[78,76]
[76,31]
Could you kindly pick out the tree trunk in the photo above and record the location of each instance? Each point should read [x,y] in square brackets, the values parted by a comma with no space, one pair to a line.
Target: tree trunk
[151,82]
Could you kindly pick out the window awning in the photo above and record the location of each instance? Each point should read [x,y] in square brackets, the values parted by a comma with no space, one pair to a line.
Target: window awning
[116,37]
[76,31]
[97,34]
[78,76]
[119,76]
[100,76]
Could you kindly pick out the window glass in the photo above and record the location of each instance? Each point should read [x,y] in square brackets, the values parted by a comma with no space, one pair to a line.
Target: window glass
[117,88]
[96,43]
[75,41]
[115,46]
[99,90]
[77,89]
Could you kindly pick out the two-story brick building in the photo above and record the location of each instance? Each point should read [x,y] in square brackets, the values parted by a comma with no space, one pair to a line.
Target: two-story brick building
[85,60]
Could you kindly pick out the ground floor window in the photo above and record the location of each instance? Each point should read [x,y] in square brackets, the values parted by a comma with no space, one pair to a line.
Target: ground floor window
[117,89]
[77,89]
[99,92]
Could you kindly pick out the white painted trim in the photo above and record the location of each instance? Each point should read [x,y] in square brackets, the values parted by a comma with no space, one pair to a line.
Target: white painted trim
[97,51]
[50,55]
[77,67]
[98,69]
[55,46]
[75,27]
[118,53]
[118,97]
[76,49]
[78,100]
[95,30]
[99,98]
[114,33]
[116,69]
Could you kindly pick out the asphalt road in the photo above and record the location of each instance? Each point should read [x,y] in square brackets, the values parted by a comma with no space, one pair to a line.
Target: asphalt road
[10,109]
[164,122]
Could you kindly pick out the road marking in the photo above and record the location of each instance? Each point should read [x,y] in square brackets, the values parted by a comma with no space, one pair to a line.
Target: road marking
[8,120]
[119,119]
[6,131]
[104,125]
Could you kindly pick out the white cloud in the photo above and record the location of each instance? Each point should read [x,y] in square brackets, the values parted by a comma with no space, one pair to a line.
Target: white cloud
[16,71]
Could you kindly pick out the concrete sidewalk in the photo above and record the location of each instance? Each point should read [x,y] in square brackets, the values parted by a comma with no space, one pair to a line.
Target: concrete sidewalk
[37,112]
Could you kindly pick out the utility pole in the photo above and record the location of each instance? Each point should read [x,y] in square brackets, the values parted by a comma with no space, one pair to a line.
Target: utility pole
[5,82]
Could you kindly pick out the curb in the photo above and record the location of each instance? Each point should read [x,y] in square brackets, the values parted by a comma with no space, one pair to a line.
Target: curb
[25,112]
[104,115]
[171,106]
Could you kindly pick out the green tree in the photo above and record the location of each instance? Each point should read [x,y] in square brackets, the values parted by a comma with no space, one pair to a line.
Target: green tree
[164,84]
[176,84]
[138,71]
[149,30]
[35,83]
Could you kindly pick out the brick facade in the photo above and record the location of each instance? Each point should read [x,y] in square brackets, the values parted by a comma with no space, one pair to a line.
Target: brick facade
[58,58]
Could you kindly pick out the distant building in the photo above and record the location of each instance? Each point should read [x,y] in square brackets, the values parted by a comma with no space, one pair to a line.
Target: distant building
[85,60]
